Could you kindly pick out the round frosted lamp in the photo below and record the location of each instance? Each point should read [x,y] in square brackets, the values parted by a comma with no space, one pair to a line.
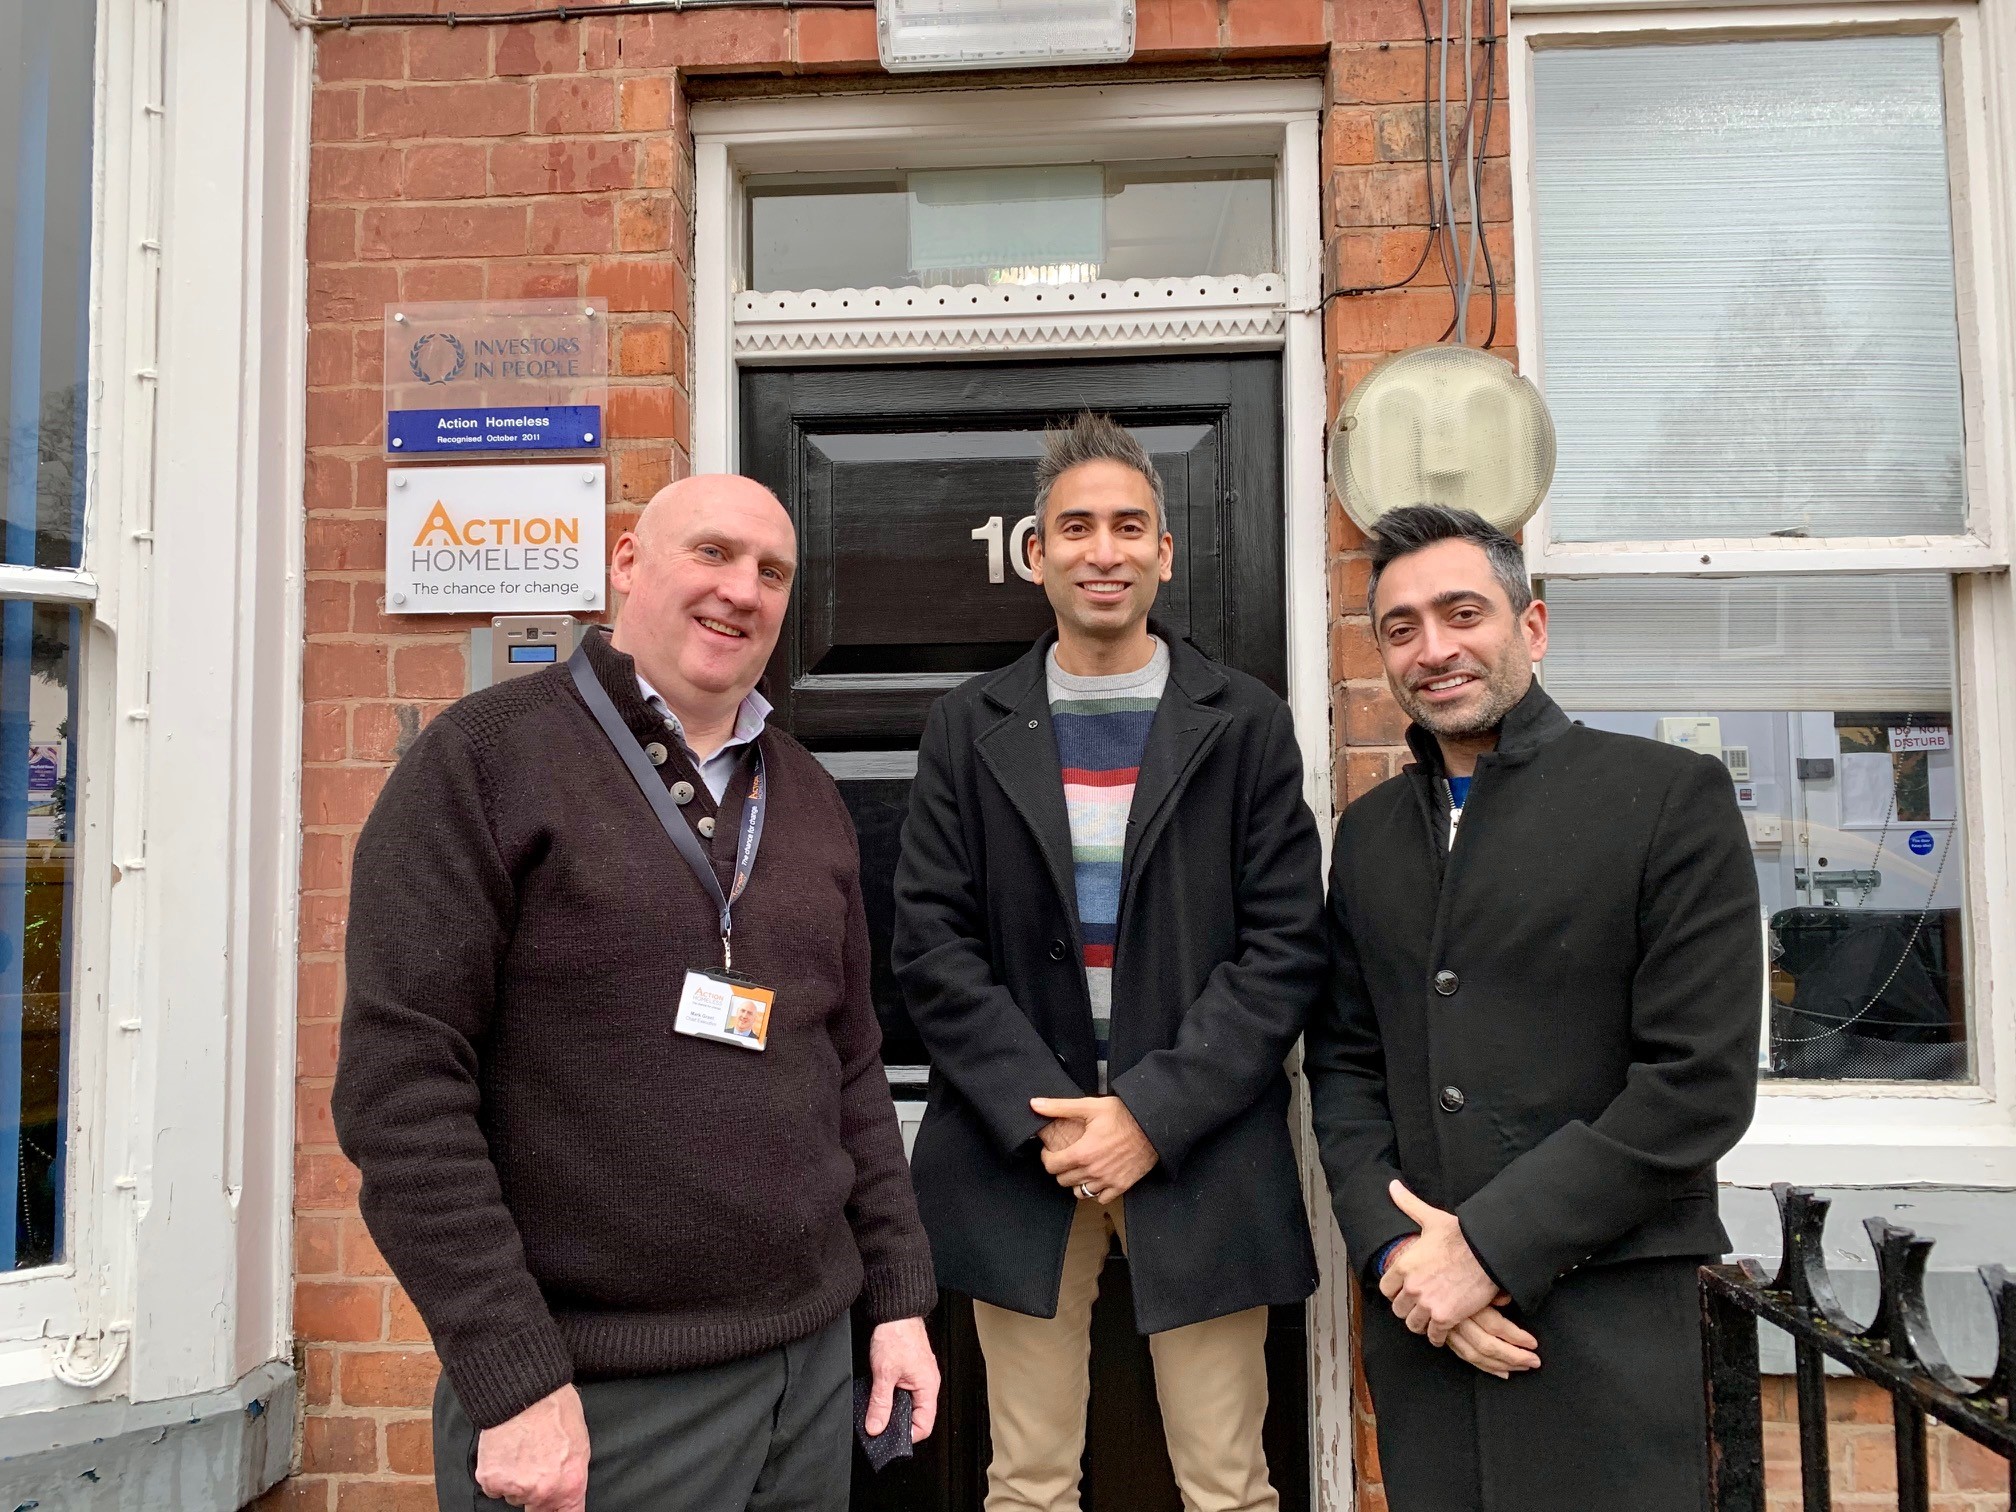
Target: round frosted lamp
[1444,425]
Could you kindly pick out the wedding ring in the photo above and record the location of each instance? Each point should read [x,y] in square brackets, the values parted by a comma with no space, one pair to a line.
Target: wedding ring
[1085,1191]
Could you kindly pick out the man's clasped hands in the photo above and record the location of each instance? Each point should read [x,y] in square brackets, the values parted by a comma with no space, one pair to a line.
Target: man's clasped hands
[1438,1288]
[1434,1281]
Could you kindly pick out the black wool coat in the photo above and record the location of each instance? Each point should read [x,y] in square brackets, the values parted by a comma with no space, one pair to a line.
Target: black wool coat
[1551,1030]
[1217,961]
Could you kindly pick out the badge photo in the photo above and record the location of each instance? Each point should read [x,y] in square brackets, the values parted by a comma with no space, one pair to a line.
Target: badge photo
[717,1007]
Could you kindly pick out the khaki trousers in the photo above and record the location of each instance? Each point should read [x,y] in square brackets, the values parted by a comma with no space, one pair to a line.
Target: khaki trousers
[1210,1378]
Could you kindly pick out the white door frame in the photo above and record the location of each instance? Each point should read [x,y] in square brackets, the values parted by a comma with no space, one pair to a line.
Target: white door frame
[1277,118]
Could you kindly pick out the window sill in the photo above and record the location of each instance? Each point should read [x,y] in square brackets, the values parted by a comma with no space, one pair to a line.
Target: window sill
[219,1450]
[1742,557]
[28,1382]
[1862,1141]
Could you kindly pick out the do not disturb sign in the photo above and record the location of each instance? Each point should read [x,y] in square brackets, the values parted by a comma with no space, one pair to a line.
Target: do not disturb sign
[1920,738]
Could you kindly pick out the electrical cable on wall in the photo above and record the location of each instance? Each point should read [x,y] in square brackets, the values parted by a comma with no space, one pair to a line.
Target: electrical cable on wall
[1473,137]
[1460,255]
[1451,255]
[1427,166]
[1490,272]
[1470,158]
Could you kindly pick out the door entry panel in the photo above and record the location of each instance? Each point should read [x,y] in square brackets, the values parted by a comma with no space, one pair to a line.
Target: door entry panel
[912,490]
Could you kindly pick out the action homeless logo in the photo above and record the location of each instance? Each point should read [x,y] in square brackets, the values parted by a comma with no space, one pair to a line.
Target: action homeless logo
[504,544]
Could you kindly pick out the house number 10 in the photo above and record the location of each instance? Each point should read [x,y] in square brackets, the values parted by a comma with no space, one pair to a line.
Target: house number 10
[1014,549]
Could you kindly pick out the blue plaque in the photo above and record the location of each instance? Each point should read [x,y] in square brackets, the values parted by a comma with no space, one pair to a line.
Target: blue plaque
[495,428]
[492,378]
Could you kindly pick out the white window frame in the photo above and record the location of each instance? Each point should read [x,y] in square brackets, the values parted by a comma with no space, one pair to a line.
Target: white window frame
[1859,1134]
[74,1298]
[1072,123]
[178,1181]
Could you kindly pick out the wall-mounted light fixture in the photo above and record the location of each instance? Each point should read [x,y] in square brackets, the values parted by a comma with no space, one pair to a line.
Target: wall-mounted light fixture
[1443,424]
[917,36]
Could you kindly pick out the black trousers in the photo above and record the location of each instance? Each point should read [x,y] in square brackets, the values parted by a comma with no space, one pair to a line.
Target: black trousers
[1614,1418]
[772,1433]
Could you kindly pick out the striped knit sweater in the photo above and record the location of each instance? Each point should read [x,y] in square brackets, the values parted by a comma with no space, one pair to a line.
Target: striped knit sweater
[1102,733]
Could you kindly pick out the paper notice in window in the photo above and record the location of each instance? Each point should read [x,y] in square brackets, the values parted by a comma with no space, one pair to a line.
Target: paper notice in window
[45,778]
[1868,786]
[1920,738]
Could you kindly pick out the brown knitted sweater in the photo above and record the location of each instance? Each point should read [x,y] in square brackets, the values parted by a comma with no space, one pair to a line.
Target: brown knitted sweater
[562,1184]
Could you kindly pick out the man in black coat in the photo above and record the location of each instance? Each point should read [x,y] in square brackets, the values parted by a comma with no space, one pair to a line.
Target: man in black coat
[1547,976]
[1109,934]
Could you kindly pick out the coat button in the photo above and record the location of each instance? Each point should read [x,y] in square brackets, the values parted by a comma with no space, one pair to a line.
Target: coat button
[682,793]
[706,827]
[1446,982]
[657,753]
[1058,950]
[1452,1099]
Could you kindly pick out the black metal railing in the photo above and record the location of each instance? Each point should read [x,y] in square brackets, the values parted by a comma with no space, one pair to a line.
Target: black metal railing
[1897,1351]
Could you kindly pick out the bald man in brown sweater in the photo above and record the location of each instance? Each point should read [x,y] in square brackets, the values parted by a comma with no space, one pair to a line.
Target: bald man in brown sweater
[632,1191]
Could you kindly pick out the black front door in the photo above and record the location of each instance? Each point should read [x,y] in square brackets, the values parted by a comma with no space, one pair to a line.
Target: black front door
[912,490]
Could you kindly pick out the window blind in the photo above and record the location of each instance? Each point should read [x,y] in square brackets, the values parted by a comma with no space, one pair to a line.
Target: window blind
[1745,265]
[1772,643]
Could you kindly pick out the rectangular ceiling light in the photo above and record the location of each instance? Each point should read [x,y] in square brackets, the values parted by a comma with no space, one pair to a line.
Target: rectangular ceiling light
[917,36]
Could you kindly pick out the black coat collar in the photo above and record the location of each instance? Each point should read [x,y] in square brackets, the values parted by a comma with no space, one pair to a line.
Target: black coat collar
[1531,724]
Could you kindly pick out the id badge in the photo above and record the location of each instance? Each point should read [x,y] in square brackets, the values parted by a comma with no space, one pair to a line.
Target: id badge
[718,1005]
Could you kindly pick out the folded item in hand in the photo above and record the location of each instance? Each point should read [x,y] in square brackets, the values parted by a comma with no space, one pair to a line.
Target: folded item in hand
[893,1442]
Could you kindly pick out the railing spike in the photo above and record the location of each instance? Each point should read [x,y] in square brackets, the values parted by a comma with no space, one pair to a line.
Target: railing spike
[2002,1298]
[1902,1323]
[1897,1352]
[1802,1270]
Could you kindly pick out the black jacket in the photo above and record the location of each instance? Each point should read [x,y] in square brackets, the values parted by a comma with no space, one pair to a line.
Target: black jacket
[1218,959]
[1552,1029]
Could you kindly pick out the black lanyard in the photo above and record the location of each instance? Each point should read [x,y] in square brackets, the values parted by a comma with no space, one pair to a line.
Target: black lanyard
[676,827]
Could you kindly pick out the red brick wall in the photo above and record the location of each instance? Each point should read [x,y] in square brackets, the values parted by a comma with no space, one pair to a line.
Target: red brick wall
[491,162]
[1862,1454]
[1376,201]
[512,161]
